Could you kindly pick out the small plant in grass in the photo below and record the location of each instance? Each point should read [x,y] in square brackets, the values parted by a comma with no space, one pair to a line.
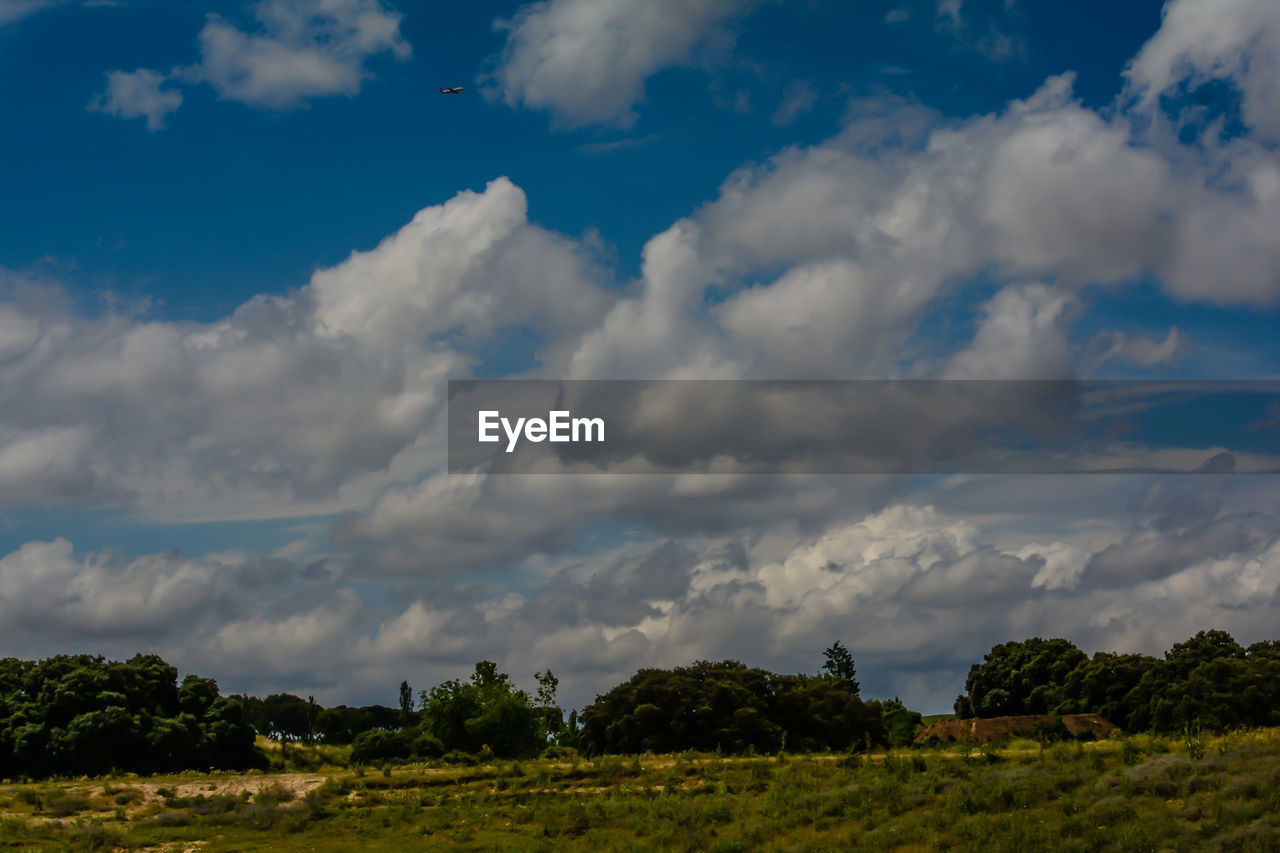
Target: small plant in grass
[66,805]
[95,836]
[1194,742]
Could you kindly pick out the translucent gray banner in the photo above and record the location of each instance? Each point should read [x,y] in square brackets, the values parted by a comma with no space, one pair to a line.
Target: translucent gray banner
[508,426]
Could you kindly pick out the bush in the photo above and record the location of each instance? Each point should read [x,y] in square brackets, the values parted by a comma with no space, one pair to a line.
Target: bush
[377,746]
[67,805]
[426,746]
[555,751]
[900,723]
[1052,732]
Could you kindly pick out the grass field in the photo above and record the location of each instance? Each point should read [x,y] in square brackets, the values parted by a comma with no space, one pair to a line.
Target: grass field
[1130,794]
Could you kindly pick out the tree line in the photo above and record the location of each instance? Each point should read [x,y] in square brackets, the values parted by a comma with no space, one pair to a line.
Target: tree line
[81,714]
[72,715]
[1210,681]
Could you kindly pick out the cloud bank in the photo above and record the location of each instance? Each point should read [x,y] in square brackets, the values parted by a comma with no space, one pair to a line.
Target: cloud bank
[823,260]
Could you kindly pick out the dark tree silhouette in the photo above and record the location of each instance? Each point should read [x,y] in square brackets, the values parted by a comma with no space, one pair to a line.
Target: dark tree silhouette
[545,703]
[406,704]
[73,715]
[840,665]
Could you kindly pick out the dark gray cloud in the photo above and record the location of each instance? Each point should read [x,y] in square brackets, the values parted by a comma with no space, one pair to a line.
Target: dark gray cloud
[917,594]
[1153,554]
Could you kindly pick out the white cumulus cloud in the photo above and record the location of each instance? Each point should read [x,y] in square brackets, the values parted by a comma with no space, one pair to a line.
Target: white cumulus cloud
[138,94]
[587,60]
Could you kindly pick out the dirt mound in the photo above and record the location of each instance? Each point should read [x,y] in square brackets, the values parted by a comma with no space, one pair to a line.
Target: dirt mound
[998,728]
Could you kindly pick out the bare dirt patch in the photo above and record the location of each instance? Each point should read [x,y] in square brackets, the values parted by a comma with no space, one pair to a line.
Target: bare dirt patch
[298,784]
[999,728]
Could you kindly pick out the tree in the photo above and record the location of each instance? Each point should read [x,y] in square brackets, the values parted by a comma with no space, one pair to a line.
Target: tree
[1027,677]
[313,711]
[406,704]
[552,716]
[197,694]
[283,716]
[728,706]
[485,711]
[569,733]
[331,725]
[75,715]
[900,722]
[840,665]
[1209,680]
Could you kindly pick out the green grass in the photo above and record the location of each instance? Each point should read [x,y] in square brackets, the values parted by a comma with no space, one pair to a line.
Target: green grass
[933,718]
[1134,794]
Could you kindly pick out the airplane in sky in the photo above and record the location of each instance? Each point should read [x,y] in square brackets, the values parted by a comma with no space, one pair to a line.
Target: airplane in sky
[450,91]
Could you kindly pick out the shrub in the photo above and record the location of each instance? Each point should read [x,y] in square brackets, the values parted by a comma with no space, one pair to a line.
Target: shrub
[426,746]
[1052,732]
[376,746]
[67,805]
[555,751]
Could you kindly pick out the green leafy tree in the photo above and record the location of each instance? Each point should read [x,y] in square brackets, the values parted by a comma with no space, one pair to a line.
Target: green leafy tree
[80,714]
[487,711]
[1105,685]
[570,733]
[1025,677]
[839,664]
[406,704]
[331,726]
[900,722]
[551,715]
[726,706]
[377,745]
[1209,680]
[283,716]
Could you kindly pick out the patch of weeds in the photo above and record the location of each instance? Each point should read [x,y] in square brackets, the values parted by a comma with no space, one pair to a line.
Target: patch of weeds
[95,836]
[270,795]
[67,805]
[1193,741]
[127,796]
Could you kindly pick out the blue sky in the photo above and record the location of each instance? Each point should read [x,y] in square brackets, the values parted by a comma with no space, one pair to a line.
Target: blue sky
[231,201]
[219,427]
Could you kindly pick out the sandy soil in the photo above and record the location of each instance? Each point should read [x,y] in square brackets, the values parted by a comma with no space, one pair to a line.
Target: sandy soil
[996,728]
